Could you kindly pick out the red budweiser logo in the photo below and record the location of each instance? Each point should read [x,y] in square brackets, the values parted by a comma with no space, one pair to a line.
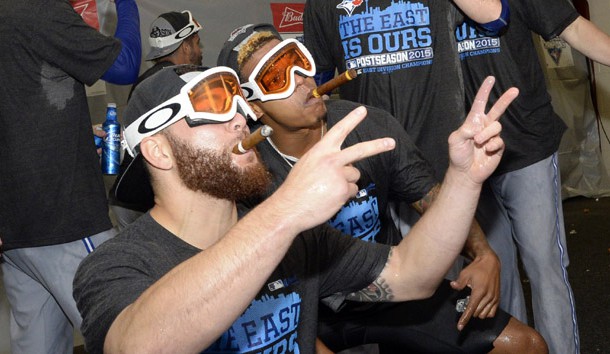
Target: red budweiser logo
[288,17]
[291,17]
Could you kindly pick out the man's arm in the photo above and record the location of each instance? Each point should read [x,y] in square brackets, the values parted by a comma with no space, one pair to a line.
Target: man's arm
[126,67]
[481,11]
[192,305]
[492,16]
[321,348]
[418,264]
[584,36]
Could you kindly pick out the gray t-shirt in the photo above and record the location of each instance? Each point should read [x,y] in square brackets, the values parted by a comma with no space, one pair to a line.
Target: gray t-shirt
[51,190]
[284,313]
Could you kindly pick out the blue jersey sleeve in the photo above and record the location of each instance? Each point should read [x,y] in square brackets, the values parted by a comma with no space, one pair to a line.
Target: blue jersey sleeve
[126,67]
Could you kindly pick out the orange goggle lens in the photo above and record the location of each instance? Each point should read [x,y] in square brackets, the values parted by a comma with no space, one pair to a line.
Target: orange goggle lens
[215,94]
[275,76]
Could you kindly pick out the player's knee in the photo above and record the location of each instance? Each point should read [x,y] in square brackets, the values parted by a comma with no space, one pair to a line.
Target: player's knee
[537,344]
[532,341]
[520,338]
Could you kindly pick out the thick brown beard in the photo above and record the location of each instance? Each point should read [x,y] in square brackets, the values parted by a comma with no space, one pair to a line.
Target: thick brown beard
[212,172]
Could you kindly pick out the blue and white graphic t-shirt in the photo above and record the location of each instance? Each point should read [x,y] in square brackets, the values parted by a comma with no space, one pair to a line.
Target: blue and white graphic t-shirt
[531,129]
[268,325]
[282,318]
[397,37]
[398,175]
[406,53]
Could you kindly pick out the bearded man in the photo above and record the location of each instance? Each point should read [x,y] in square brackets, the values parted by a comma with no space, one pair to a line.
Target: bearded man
[188,276]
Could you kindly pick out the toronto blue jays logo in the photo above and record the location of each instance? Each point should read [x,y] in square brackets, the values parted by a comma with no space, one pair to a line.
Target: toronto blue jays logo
[349,5]
[555,47]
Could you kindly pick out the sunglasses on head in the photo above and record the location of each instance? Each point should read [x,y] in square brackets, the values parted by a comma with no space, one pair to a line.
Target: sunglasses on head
[273,76]
[162,42]
[212,96]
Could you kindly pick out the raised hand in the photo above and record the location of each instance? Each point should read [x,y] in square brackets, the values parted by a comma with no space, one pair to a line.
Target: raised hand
[324,179]
[476,147]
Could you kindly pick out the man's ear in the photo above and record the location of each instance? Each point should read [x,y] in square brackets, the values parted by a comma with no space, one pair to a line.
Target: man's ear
[177,57]
[157,151]
[185,46]
[256,109]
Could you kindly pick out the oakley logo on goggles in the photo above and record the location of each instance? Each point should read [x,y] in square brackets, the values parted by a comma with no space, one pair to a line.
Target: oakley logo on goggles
[212,96]
[273,76]
[162,42]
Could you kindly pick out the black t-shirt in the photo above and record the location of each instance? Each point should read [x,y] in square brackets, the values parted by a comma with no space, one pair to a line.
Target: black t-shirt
[400,175]
[531,129]
[407,53]
[51,189]
[283,315]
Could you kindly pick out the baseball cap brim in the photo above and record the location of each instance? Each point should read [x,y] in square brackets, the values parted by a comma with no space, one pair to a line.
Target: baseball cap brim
[161,52]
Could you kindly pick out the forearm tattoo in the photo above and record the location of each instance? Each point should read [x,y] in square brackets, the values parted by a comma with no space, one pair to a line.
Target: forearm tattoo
[378,291]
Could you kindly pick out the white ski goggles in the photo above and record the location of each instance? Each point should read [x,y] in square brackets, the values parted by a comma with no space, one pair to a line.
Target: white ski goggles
[212,96]
[273,76]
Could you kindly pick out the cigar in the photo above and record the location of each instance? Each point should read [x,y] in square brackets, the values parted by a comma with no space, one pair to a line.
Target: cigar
[334,83]
[251,140]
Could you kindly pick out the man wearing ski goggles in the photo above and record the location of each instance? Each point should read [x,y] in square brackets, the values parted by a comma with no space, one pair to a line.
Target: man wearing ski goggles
[273,77]
[299,121]
[212,96]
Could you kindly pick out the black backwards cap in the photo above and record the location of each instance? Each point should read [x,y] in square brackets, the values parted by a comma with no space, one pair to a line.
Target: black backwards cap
[133,187]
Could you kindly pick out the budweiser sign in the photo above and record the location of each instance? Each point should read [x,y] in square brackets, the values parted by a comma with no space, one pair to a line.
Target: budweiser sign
[288,17]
